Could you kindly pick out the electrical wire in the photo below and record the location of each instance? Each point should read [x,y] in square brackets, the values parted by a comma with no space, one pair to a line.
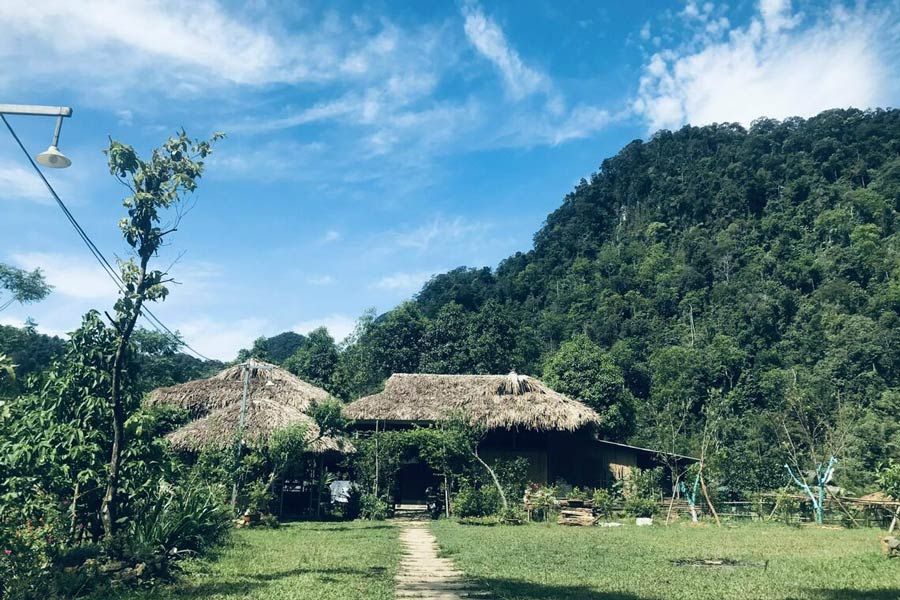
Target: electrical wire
[154,321]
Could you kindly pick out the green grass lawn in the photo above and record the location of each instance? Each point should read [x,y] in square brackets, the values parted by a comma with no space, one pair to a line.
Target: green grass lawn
[637,563]
[298,561]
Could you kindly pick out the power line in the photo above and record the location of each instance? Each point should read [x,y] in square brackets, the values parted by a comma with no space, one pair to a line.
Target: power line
[158,325]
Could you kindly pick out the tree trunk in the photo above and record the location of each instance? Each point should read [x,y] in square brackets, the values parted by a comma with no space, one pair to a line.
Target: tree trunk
[494,477]
[109,507]
[894,520]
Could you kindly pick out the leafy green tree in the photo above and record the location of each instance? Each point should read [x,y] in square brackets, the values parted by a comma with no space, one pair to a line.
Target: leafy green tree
[445,342]
[316,359]
[156,185]
[492,339]
[23,286]
[356,374]
[283,346]
[582,370]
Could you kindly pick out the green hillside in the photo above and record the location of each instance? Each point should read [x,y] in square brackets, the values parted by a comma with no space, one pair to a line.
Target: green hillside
[746,278]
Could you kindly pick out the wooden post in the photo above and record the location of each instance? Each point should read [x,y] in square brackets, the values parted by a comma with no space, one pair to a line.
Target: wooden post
[376,458]
[712,508]
[894,520]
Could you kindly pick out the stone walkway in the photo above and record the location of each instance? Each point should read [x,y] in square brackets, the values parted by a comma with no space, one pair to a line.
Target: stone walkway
[424,576]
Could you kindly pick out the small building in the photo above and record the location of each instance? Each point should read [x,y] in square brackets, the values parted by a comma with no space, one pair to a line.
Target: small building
[522,417]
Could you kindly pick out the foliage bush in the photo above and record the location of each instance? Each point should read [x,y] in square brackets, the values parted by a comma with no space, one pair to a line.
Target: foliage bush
[513,476]
[643,483]
[179,520]
[542,501]
[604,503]
[373,508]
[29,549]
[640,507]
[476,502]
[513,515]
[788,506]
[889,479]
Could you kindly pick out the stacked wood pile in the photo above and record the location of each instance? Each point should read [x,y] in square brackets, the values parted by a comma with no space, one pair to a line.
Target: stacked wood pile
[576,512]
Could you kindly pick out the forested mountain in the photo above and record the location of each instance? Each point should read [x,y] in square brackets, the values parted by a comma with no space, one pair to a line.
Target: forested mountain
[744,278]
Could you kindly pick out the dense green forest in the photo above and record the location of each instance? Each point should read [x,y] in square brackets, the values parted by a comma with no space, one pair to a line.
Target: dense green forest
[739,282]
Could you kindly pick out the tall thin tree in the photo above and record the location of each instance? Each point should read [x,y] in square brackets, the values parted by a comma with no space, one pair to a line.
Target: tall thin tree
[156,185]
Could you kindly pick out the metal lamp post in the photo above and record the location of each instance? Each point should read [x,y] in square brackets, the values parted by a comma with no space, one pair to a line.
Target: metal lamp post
[51,157]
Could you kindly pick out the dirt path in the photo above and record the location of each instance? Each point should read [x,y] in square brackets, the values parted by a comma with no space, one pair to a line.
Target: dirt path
[424,576]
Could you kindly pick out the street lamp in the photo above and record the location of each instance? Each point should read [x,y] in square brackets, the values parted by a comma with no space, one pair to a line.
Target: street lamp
[51,157]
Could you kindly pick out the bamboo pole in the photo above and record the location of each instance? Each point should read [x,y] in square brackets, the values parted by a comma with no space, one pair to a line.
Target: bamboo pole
[709,503]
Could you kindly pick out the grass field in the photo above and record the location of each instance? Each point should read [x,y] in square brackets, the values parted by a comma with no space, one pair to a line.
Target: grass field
[299,561]
[631,563]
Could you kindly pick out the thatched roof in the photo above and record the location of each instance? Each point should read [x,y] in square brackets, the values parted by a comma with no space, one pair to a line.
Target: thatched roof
[492,401]
[225,388]
[262,418]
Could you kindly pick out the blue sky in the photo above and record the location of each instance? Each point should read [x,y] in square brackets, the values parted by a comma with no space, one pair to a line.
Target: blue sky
[372,144]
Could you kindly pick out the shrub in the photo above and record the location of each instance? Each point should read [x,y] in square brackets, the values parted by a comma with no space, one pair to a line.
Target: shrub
[542,501]
[373,508]
[476,502]
[643,483]
[28,550]
[788,506]
[513,515]
[513,476]
[179,520]
[578,494]
[269,521]
[640,507]
[603,503]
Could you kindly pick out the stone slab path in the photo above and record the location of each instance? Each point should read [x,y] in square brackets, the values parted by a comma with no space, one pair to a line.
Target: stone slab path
[424,576]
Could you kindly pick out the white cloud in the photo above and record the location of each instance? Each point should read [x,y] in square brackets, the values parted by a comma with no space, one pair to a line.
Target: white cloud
[403,282]
[332,235]
[19,183]
[113,50]
[126,117]
[773,67]
[439,231]
[198,35]
[70,276]
[488,39]
[320,280]
[220,338]
[338,325]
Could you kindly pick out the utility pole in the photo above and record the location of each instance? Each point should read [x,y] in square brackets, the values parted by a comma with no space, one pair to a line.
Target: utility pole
[246,369]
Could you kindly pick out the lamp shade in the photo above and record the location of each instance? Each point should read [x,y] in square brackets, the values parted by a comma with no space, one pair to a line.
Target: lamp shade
[53,158]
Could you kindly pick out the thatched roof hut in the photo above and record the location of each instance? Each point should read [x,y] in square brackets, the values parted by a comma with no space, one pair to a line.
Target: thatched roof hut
[267,382]
[493,401]
[275,399]
[262,419]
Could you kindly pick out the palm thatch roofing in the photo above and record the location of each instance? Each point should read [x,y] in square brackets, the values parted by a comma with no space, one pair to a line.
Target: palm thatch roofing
[267,382]
[492,401]
[262,419]
[276,399]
